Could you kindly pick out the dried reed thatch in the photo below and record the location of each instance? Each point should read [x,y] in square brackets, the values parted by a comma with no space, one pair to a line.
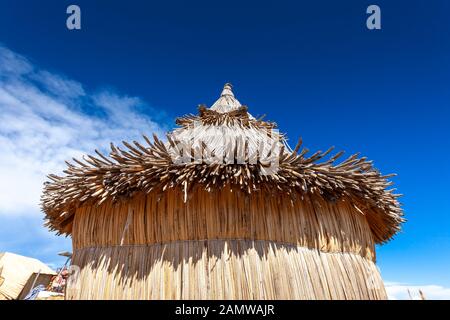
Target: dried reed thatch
[218,210]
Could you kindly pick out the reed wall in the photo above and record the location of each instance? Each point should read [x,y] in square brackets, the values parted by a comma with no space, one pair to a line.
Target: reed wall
[223,245]
[223,269]
[148,219]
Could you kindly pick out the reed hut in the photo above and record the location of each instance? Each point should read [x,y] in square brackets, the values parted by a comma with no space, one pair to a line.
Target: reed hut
[19,275]
[222,208]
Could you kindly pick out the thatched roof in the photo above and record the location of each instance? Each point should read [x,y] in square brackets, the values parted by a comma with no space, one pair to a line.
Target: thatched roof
[222,145]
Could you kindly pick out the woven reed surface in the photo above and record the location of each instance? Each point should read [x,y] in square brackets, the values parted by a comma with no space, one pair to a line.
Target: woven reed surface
[312,222]
[222,269]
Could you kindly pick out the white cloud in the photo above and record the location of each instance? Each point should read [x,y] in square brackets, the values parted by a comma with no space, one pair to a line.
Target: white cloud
[46,118]
[59,85]
[398,291]
[13,63]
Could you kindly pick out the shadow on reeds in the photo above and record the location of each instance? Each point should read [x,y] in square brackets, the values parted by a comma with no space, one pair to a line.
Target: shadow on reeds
[136,262]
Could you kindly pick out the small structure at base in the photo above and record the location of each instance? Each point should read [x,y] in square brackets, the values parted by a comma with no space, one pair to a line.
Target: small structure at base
[19,275]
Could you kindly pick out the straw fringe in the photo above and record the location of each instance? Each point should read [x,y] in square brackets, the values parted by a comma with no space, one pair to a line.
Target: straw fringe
[160,166]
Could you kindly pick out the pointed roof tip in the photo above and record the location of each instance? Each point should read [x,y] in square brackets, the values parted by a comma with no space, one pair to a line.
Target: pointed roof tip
[227,101]
[227,90]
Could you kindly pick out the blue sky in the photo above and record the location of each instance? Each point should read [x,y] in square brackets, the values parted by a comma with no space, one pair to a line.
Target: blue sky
[313,67]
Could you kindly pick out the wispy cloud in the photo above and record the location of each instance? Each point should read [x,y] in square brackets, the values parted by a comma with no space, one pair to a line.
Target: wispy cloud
[399,291]
[47,118]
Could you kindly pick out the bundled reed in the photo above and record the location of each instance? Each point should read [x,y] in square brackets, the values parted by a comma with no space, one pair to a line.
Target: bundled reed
[146,225]
[148,219]
[222,269]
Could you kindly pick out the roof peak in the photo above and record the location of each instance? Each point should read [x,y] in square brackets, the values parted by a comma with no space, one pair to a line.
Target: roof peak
[226,102]
[227,90]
